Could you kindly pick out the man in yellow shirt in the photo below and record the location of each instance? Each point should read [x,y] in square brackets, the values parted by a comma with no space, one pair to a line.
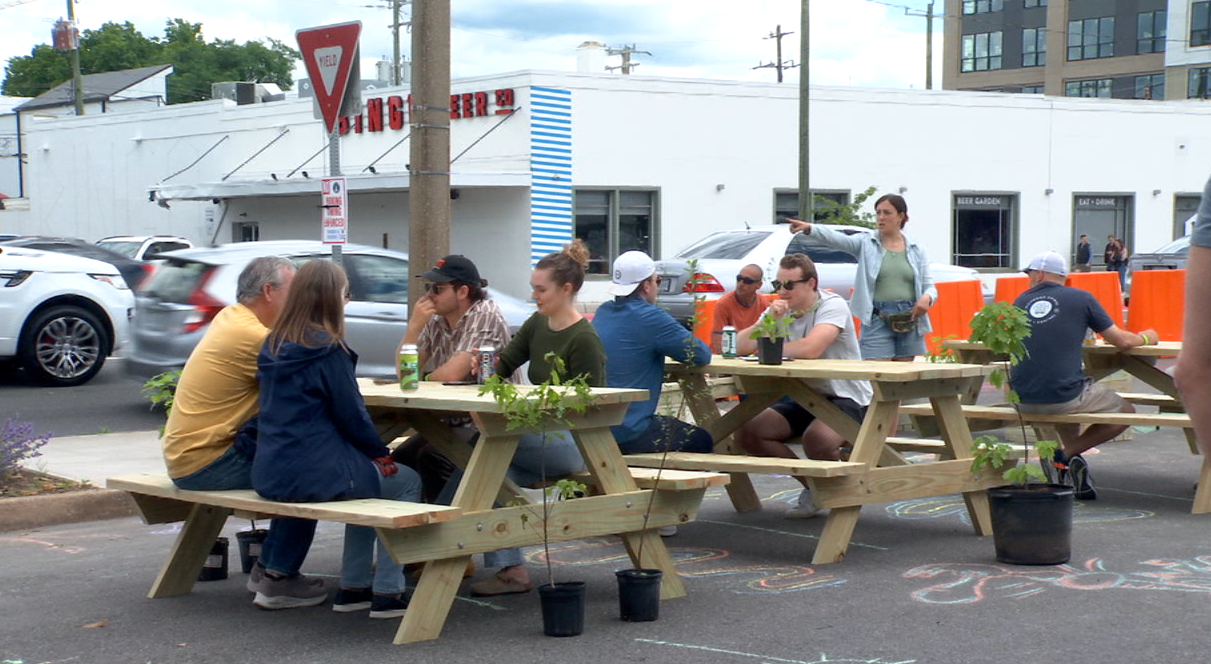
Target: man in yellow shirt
[210,439]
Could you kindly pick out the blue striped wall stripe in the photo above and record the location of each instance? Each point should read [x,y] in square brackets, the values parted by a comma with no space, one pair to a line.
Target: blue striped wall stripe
[550,170]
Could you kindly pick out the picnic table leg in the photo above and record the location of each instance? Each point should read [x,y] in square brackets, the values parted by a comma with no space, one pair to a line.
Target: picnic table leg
[1202,497]
[706,413]
[957,435]
[189,551]
[834,540]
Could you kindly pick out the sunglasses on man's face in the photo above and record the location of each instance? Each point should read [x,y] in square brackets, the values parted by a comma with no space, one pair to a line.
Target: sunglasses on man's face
[787,285]
[741,279]
[436,289]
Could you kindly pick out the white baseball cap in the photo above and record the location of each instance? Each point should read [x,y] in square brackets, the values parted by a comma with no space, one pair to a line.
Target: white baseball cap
[630,269]
[1049,261]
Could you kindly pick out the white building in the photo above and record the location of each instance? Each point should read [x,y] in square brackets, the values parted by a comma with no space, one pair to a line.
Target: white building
[633,162]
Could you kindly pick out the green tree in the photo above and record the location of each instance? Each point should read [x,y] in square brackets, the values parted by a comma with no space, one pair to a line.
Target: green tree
[196,63]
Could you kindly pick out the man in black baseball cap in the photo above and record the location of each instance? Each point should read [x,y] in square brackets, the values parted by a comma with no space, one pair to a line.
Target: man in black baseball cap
[454,267]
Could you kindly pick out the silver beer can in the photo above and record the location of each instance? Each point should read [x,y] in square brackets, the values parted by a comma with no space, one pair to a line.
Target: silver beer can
[728,343]
[487,363]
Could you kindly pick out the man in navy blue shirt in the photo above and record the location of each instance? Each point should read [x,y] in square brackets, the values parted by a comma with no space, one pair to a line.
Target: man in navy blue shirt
[638,336]
[1051,379]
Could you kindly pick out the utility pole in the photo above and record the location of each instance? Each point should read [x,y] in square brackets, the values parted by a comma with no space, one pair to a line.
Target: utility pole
[779,63]
[429,169]
[626,52]
[396,63]
[77,80]
[805,187]
[929,17]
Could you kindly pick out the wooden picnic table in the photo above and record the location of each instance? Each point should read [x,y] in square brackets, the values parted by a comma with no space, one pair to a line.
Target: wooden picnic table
[886,476]
[618,507]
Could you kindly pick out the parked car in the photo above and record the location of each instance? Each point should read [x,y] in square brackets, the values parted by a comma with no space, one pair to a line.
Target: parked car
[180,299]
[143,247]
[1172,256]
[60,315]
[722,254]
[132,271]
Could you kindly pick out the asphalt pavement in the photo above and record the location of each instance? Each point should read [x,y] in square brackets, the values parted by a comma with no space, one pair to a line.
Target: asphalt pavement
[111,401]
[916,586]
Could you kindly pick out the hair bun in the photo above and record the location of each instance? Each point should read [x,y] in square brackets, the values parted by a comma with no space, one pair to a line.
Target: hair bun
[577,251]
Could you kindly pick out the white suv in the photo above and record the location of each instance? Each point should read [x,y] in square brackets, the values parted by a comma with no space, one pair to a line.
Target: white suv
[61,315]
[143,247]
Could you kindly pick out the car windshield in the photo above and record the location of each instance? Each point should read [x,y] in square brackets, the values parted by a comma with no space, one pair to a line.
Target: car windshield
[818,252]
[175,281]
[1180,246]
[128,249]
[727,245]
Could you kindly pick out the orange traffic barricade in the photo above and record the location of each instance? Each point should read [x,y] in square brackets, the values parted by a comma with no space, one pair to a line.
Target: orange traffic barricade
[1158,301]
[958,302]
[1009,288]
[1105,288]
[705,311]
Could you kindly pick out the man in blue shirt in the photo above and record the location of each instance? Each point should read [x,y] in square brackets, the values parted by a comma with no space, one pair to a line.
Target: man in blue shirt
[637,336]
[1051,379]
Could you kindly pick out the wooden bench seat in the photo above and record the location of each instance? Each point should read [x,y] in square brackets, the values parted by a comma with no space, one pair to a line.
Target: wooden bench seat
[1008,414]
[1147,399]
[739,463]
[670,479]
[927,445]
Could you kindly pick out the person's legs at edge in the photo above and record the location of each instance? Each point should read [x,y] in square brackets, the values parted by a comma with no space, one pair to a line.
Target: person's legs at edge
[366,563]
[671,434]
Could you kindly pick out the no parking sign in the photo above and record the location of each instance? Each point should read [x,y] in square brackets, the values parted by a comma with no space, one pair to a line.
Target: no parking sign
[335,204]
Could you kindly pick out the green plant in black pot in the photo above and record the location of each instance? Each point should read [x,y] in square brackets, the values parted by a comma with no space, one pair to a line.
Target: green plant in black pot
[1031,523]
[770,333]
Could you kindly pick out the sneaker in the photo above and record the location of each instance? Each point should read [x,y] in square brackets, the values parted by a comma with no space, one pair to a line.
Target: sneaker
[667,531]
[388,606]
[255,577]
[805,507]
[499,585]
[349,600]
[1082,483]
[289,592]
[1055,469]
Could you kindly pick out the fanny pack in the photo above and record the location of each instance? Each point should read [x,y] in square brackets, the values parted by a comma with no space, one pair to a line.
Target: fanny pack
[901,323]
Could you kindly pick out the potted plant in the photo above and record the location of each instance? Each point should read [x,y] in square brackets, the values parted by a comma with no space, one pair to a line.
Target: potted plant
[770,332]
[545,405]
[1031,522]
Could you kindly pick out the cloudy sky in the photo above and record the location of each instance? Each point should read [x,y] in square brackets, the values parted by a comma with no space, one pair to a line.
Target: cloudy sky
[854,42]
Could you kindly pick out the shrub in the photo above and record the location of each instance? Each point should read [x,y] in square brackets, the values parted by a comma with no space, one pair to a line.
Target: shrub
[18,443]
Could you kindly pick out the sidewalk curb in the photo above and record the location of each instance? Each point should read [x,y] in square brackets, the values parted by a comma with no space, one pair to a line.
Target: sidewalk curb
[28,512]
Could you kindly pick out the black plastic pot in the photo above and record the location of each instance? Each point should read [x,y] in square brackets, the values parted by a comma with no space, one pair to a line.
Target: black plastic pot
[769,351]
[562,608]
[1032,525]
[215,567]
[639,594]
[250,542]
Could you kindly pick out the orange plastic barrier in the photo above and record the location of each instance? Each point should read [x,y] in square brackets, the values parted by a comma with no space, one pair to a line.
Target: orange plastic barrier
[958,302]
[1158,301]
[706,320]
[1009,288]
[1105,287]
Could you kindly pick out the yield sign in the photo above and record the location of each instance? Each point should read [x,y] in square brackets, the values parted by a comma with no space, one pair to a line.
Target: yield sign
[330,52]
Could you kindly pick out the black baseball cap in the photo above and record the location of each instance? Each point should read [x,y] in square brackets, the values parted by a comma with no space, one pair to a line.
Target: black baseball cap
[454,267]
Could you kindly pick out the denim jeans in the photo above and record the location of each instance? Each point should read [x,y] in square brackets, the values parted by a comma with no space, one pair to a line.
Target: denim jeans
[559,456]
[289,539]
[362,544]
[669,434]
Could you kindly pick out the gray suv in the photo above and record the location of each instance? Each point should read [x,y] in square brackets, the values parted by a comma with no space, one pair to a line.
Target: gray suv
[174,307]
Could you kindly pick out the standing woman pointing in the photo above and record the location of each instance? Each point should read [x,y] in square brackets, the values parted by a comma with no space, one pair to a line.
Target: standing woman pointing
[893,289]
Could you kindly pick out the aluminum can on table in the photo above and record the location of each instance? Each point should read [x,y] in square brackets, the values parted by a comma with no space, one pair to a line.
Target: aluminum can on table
[487,363]
[409,367]
[728,343]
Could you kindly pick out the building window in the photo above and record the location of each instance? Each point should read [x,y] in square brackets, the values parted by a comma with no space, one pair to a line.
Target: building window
[786,203]
[611,222]
[1098,87]
[982,52]
[983,231]
[1200,83]
[1034,47]
[245,231]
[1032,89]
[1184,208]
[1150,86]
[1150,32]
[1034,3]
[982,6]
[1097,216]
[1091,38]
[1200,24]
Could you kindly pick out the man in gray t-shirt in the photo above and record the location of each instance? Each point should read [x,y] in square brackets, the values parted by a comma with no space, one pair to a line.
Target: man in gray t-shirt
[822,328]
[1051,380]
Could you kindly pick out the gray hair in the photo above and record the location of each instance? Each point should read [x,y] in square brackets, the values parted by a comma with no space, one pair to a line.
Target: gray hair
[266,270]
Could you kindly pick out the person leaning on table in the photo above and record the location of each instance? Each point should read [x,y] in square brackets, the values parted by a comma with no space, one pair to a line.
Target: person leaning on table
[1193,370]
[1051,380]
[821,327]
[892,278]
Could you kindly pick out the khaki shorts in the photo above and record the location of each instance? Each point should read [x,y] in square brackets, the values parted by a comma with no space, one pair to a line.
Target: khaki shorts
[1095,398]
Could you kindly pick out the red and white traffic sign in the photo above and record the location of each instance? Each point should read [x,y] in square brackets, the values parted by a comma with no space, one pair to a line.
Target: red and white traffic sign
[334,201]
[330,53]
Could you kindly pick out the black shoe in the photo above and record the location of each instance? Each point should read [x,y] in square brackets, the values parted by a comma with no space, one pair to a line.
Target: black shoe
[1056,468]
[388,606]
[350,600]
[1082,483]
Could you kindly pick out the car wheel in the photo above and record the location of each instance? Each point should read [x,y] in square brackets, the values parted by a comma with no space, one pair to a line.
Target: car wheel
[64,346]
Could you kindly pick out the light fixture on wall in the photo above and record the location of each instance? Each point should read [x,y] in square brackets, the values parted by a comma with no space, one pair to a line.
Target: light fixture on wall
[373,170]
[1048,191]
[903,189]
[720,187]
[1156,192]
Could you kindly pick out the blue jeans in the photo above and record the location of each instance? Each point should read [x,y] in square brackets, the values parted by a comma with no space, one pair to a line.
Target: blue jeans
[669,434]
[879,342]
[362,543]
[559,456]
[288,540]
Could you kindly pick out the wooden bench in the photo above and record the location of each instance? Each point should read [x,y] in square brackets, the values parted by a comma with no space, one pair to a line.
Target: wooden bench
[670,479]
[740,463]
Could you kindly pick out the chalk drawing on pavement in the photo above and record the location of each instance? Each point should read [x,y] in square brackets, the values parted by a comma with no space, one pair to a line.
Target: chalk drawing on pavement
[821,659]
[939,507]
[964,583]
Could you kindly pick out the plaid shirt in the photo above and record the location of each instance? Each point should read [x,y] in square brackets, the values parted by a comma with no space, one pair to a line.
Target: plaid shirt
[482,325]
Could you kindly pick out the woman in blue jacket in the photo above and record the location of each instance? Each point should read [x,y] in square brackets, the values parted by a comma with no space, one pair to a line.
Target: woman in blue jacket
[316,442]
[892,278]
